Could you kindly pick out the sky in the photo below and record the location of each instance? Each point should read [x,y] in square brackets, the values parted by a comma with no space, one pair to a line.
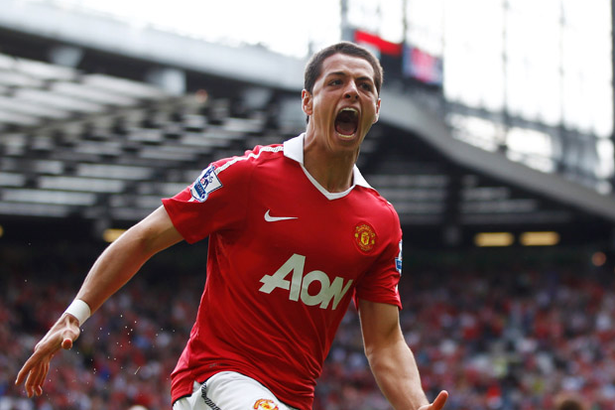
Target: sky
[471,35]
[233,21]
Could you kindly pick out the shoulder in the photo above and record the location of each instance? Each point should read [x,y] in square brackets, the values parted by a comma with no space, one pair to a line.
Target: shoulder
[235,171]
[258,155]
[372,198]
[378,203]
[380,215]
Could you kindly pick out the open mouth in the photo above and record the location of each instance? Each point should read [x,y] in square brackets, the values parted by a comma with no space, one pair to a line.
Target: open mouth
[347,122]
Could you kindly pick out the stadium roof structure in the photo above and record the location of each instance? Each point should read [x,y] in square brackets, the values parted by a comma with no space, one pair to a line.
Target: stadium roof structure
[101,141]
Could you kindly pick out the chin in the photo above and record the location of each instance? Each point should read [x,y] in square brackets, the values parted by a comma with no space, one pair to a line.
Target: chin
[351,142]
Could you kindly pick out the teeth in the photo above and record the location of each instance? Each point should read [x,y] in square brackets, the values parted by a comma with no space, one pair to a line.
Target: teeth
[350,109]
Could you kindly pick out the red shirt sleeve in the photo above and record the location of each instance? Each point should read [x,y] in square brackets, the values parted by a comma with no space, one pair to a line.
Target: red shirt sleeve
[213,202]
[380,283]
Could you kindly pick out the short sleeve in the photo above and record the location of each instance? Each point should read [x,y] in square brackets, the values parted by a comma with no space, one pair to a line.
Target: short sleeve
[215,201]
[380,284]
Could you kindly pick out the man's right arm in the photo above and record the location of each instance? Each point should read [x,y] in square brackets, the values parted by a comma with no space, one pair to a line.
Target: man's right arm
[113,268]
[124,257]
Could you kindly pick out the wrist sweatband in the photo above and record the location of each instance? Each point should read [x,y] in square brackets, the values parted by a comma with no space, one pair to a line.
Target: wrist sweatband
[80,310]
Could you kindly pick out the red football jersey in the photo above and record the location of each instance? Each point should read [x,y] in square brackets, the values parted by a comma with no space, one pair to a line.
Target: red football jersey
[285,259]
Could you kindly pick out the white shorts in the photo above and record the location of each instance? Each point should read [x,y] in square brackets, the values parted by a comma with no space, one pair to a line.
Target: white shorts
[230,391]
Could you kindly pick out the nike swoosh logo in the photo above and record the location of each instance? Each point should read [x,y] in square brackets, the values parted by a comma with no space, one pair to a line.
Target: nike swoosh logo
[270,218]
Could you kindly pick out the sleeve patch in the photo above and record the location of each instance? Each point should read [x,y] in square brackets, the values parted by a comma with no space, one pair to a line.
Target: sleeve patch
[398,260]
[205,184]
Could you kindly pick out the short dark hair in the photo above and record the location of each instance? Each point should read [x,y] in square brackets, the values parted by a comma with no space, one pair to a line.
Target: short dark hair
[313,68]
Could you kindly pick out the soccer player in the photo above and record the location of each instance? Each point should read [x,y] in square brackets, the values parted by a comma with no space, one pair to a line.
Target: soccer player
[295,235]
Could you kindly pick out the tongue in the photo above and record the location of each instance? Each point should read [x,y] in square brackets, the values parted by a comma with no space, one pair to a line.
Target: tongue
[346,124]
[345,128]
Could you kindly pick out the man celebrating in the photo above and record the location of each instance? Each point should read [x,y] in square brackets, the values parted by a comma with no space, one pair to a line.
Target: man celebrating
[295,234]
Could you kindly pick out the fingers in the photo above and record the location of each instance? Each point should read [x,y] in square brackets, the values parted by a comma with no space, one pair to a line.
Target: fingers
[69,335]
[439,402]
[28,368]
[20,376]
[35,369]
[32,366]
[34,382]
[35,378]
[67,344]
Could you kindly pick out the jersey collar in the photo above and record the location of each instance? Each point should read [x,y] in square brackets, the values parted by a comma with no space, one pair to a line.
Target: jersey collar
[293,149]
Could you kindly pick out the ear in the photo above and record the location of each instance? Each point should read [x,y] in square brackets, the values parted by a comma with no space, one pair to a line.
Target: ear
[377,111]
[306,102]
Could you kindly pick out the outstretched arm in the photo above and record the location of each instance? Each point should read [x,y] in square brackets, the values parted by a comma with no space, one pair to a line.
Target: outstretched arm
[113,268]
[391,360]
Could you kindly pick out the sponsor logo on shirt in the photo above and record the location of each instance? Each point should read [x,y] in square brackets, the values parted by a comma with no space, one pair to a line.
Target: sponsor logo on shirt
[365,237]
[298,286]
[205,184]
[265,404]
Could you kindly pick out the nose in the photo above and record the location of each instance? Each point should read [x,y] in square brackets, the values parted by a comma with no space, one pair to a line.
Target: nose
[351,91]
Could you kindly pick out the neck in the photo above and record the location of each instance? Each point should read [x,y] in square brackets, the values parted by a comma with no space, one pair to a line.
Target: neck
[333,170]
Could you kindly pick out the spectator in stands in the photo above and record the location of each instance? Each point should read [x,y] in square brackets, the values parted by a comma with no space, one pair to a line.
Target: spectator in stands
[568,401]
[139,342]
[279,219]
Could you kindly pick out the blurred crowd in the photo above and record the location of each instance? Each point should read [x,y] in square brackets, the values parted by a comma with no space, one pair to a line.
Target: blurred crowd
[508,336]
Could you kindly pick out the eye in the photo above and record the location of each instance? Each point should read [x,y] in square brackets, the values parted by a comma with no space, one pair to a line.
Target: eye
[367,86]
[336,81]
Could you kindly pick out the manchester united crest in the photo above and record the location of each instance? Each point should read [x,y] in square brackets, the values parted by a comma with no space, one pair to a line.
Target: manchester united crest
[365,237]
[264,404]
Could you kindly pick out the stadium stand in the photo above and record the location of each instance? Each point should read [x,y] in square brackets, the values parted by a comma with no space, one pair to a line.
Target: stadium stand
[148,117]
[113,162]
[508,332]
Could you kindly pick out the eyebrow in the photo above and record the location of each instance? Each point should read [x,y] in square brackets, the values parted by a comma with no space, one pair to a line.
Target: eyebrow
[344,74]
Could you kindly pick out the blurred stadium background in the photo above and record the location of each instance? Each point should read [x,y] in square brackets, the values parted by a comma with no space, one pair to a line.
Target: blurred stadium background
[495,145]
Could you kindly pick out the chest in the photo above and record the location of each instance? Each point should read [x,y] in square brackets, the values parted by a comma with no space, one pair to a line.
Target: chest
[289,215]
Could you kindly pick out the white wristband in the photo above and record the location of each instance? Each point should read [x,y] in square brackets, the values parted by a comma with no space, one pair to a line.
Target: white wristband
[80,310]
